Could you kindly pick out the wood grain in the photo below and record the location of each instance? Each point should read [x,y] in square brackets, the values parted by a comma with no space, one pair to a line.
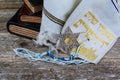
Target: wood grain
[107,69]
[6,14]
[10,4]
[13,67]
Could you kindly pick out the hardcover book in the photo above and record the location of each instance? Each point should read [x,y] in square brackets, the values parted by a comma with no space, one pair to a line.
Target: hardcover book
[34,5]
[23,29]
[26,16]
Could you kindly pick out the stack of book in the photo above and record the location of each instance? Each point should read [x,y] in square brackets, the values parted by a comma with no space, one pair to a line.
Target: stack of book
[27,20]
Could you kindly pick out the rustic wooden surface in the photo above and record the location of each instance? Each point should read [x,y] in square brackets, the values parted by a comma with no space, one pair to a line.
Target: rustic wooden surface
[13,67]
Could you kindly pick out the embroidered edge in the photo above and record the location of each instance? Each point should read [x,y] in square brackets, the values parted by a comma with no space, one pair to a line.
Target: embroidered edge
[53,18]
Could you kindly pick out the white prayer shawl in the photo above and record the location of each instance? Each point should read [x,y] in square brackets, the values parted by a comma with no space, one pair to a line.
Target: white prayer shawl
[55,13]
[98,22]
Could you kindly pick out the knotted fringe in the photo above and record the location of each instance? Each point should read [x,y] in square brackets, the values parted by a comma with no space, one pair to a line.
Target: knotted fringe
[48,57]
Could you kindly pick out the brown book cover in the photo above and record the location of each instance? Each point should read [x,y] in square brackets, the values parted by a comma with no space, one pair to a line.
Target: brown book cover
[34,5]
[23,29]
[26,16]
[30,19]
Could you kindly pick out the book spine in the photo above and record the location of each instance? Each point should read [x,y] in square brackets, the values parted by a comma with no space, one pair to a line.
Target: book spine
[31,19]
[34,9]
[21,31]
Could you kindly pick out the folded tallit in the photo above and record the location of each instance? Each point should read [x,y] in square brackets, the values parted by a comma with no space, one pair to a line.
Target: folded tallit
[55,13]
[98,24]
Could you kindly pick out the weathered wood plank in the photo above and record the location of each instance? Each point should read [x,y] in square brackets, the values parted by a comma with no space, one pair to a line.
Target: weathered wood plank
[3,27]
[113,53]
[15,68]
[10,0]
[6,14]
[15,41]
[10,5]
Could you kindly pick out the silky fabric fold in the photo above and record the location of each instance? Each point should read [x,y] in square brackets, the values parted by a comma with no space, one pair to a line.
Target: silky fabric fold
[55,14]
[98,22]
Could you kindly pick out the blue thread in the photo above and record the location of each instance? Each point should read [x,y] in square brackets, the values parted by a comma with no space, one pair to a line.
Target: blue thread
[24,53]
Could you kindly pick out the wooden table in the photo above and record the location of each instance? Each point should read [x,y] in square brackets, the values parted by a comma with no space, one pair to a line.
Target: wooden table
[13,67]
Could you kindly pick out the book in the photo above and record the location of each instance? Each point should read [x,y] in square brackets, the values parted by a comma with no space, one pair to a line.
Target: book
[31,19]
[34,5]
[26,16]
[19,28]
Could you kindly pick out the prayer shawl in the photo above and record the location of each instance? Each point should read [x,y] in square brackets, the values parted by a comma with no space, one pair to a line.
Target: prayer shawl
[55,13]
[88,34]
[98,25]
